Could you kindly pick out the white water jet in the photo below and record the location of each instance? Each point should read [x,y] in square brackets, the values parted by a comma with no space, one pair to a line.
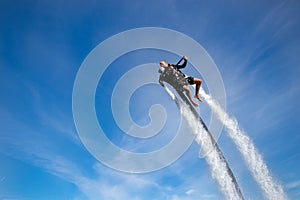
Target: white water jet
[254,160]
[218,168]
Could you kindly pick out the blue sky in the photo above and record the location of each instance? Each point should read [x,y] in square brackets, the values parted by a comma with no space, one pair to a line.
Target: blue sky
[255,45]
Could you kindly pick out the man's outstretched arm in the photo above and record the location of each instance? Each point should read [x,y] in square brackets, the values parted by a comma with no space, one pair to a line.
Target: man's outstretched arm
[183,65]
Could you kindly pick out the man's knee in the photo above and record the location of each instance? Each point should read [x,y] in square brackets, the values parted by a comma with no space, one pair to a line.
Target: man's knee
[197,80]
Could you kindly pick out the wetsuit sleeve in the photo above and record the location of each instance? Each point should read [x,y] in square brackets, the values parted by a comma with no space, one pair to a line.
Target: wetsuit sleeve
[183,65]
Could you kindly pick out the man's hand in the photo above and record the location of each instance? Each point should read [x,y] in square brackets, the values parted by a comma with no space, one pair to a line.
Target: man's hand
[161,83]
[185,58]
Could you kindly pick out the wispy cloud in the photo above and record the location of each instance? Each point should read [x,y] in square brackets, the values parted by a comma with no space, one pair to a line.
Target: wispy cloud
[292,185]
[204,196]
[50,114]
[57,165]
[190,191]
[2,179]
[105,183]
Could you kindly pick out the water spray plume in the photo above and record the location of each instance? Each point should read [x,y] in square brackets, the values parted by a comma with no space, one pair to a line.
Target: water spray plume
[219,167]
[254,160]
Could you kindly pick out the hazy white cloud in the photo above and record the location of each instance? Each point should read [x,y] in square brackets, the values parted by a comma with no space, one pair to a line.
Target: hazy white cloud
[190,191]
[292,185]
[208,196]
[106,183]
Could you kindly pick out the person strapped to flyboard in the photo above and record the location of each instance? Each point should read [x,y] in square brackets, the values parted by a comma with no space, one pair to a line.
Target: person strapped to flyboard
[171,74]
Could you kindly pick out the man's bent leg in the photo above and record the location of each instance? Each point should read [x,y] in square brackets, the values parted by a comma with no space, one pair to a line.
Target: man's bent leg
[189,95]
[198,83]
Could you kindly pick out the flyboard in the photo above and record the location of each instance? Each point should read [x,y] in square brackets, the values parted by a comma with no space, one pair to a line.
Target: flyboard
[199,120]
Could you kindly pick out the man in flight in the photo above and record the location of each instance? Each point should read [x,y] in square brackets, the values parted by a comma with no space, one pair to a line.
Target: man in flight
[172,75]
